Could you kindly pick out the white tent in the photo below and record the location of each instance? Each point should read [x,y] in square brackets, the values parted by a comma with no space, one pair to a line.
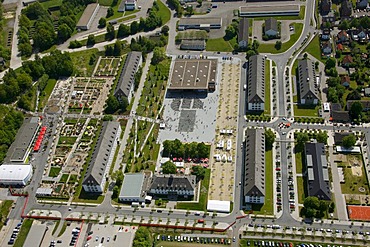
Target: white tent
[218,206]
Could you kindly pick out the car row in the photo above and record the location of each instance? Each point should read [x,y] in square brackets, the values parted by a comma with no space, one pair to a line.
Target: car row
[75,235]
[262,243]
[15,233]
[202,240]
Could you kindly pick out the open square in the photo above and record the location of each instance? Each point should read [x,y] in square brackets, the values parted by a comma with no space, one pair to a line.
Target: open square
[187,121]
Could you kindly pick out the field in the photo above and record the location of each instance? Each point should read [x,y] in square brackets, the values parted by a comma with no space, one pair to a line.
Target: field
[218,45]
[4,211]
[202,205]
[314,49]
[270,48]
[301,189]
[44,96]
[303,111]
[268,207]
[54,171]
[51,3]
[81,61]
[298,162]
[163,12]
[353,181]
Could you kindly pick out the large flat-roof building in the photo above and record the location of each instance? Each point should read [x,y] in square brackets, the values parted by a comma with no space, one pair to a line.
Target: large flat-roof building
[132,189]
[196,45]
[317,171]
[200,23]
[126,81]
[193,74]
[243,33]
[22,145]
[268,10]
[102,157]
[256,83]
[15,174]
[254,170]
[308,88]
[173,186]
[88,16]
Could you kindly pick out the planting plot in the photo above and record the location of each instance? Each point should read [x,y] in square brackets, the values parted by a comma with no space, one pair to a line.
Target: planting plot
[107,66]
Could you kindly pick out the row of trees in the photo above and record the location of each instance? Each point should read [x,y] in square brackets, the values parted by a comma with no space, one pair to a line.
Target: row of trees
[178,149]
[360,23]
[303,137]
[4,52]
[315,208]
[9,126]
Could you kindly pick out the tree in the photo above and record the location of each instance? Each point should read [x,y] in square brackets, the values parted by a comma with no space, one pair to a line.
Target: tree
[64,33]
[322,137]
[102,22]
[330,63]
[344,25]
[90,40]
[301,138]
[158,55]
[278,45]
[165,29]
[117,50]
[143,238]
[110,12]
[123,31]
[230,32]
[349,141]
[354,95]
[356,110]
[169,168]
[111,33]
[134,27]
[25,49]
[198,171]
[44,36]
[269,139]
[112,105]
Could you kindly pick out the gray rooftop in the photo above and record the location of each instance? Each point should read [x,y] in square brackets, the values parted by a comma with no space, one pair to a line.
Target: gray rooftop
[271,24]
[23,140]
[132,185]
[200,21]
[195,44]
[317,172]
[243,33]
[99,159]
[127,76]
[87,14]
[269,8]
[173,182]
[307,79]
[254,177]
[256,79]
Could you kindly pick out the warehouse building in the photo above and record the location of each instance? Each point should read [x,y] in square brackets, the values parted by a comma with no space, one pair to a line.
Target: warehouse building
[269,10]
[133,188]
[195,45]
[199,23]
[88,16]
[15,174]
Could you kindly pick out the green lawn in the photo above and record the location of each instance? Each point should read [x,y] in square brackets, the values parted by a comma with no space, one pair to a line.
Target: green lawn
[51,3]
[106,2]
[314,49]
[267,88]
[55,227]
[300,110]
[126,18]
[270,48]
[64,227]
[202,205]
[64,178]
[73,179]
[354,182]
[268,207]
[66,141]
[81,61]
[44,96]
[298,162]
[22,235]
[301,190]
[163,12]
[219,45]
[4,211]
[54,171]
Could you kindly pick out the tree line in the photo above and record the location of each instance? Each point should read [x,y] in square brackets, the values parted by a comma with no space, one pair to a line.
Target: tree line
[176,148]
[4,52]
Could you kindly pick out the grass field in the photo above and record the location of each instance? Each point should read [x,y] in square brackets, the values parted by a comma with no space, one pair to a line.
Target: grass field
[22,235]
[219,45]
[44,96]
[54,171]
[302,111]
[202,205]
[267,88]
[163,12]
[268,207]
[64,178]
[298,162]
[51,3]
[67,141]
[301,189]
[314,49]
[354,182]
[4,211]
[81,61]
[106,2]
[64,227]
[270,48]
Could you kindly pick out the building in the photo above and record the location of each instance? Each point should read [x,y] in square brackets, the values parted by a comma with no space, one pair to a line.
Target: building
[317,171]
[342,37]
[130,4]
[269,10]
[195,45]
[325,6]
[367,92]
[338,115]
[88,16]
[199,23]
[362,4]
[28,2]
[338,137]
[173,186]
[254,170]
[132,189]
[308,89]
[326,48]
[243,32]
[325,36]
[193,74]
[22,145]
[271,27]
[44,192]
[102,157]
[346,9]
[345,80]
[15,174]
[256,83]
[329,17]
[126,81]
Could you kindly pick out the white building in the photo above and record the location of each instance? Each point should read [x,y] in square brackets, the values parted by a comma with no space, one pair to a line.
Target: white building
[130,5]
[15,175]
[132,189]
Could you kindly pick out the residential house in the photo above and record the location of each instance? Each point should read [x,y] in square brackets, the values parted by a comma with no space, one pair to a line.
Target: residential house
[342,37]
[243,33]
[346,9]
[173,186]
[309,90]
[338,137]
[256,83]
[326,48]
[325,6]
[362,36]
[365,104]
[102,157]
[345,80]
[271,27]
[317,173]
[330,17]
[325,36]
[340,47]
[362,4]
[130,4]
[347,61]
[338,115]
[367,92]
[126,81]
[254,170]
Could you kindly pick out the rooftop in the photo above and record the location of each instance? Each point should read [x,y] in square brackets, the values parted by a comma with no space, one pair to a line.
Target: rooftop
[269,8]
[200,21]
[132,185]
[12,172]
[87,14]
